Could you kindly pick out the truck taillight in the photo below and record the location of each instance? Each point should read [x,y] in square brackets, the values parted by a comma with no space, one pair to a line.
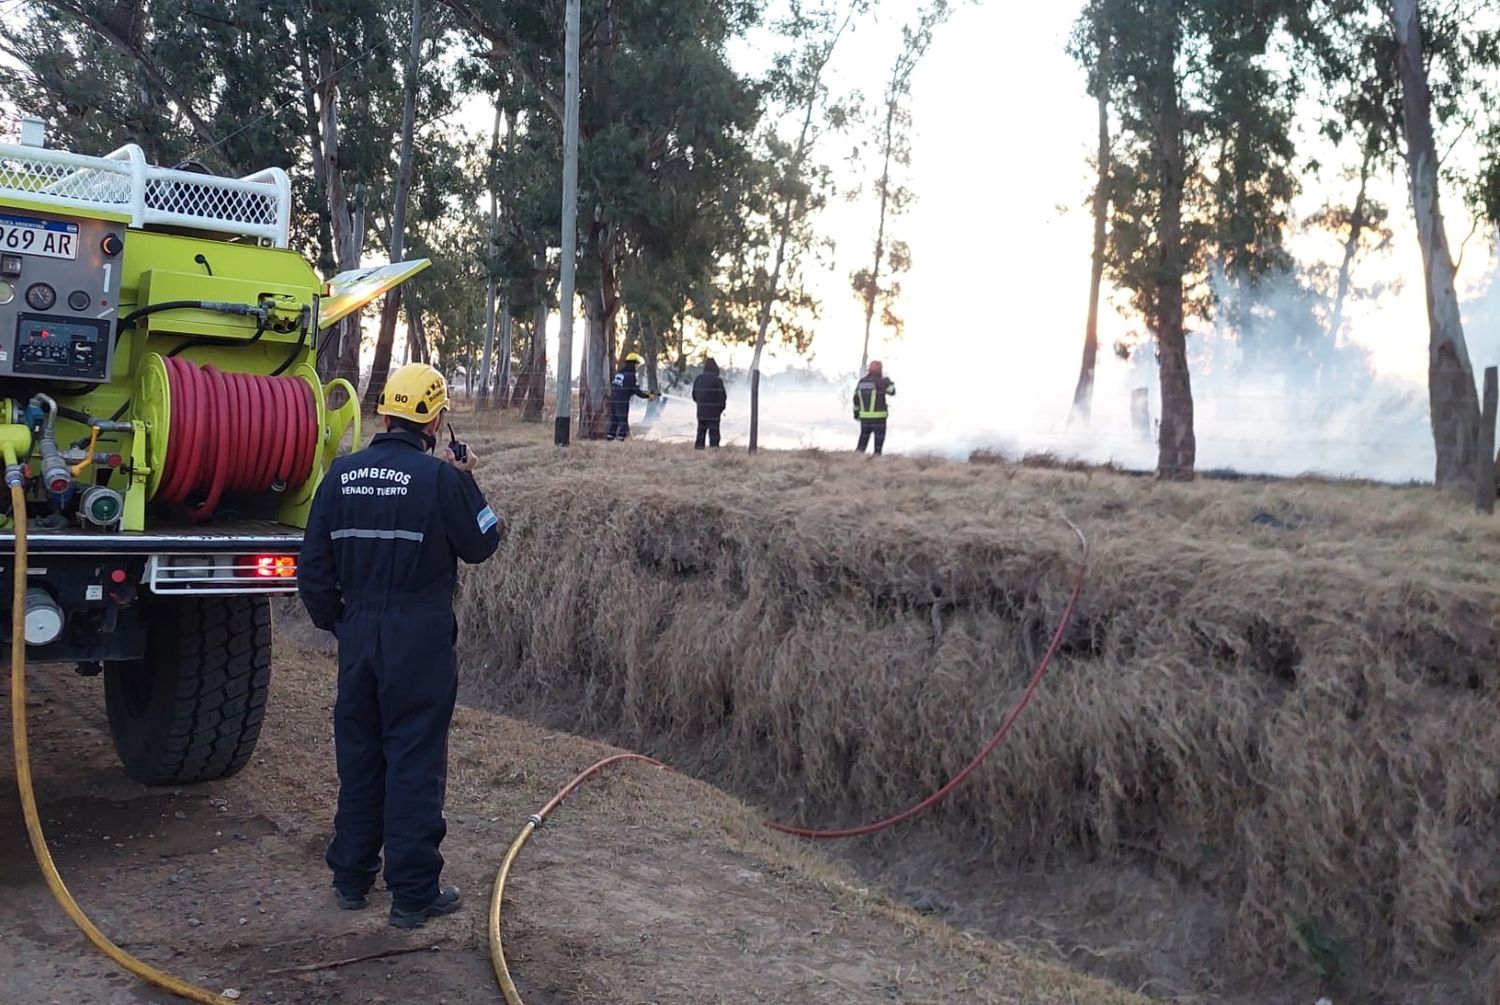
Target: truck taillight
[275,566]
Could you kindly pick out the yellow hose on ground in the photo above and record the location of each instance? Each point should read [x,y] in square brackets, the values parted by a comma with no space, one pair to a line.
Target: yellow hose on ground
[144,971]
[497,952]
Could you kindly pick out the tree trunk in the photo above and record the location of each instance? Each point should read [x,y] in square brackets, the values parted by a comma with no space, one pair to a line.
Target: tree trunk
[491,286]
[651,349]
[593,380]
[328,122]
[531,390]
[381,366]
[1083,394]
[1454,401]
[416,345]
[1358,221]
[536,369]
[486,358]
[325,208]
[351,330]
[502,374]
[1177,446]
[345,220]
[789,206]
[872,289]
[601,306]
[507,321]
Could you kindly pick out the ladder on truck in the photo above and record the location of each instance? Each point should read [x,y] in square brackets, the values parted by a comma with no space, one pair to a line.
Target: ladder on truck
[122,183]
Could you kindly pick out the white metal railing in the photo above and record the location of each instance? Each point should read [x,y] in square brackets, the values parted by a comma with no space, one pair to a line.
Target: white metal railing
[258,205]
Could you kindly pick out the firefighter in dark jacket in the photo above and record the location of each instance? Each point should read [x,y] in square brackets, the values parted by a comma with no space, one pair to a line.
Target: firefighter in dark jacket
[624,387]
[378,569]
[708,392]
[870,406]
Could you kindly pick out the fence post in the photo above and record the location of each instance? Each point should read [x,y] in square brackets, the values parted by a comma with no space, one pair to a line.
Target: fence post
[1484,476]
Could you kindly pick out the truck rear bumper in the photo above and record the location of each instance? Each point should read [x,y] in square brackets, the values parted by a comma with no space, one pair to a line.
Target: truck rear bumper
[220,539]
[242,558]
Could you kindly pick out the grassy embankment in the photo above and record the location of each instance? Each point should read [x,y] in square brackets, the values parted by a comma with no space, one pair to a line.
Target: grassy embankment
[1286,693]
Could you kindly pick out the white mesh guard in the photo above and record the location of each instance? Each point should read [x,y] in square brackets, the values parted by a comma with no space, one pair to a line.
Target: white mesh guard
[258,206]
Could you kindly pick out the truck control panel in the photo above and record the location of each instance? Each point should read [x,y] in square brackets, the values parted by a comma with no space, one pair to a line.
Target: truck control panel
[59,292]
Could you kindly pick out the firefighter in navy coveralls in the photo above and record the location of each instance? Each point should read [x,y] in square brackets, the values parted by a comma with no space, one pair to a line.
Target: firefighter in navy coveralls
[379,567]
[624,387]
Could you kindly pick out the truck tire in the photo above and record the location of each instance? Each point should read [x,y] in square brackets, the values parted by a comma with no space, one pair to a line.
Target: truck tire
[191,710]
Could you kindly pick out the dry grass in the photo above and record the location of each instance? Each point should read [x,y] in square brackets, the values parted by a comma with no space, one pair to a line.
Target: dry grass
[1284,692]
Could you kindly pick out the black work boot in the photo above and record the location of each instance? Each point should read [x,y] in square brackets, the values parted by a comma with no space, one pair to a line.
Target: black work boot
[352,901]
[447,902]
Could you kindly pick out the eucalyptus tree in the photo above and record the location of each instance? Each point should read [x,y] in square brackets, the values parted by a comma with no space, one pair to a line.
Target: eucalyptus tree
[876,286]
[1202,172]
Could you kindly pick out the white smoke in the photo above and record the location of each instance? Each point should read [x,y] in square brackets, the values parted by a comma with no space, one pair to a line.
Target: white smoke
[1328,415]
[1277,430]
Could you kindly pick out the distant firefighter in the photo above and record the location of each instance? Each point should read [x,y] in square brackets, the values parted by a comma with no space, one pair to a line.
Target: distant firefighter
[708,392]
[624,387]
[870,406]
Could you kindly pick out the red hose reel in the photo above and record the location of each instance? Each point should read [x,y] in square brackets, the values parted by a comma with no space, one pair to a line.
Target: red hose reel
[235,433]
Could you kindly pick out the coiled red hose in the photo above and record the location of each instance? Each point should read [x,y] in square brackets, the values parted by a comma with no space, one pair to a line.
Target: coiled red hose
[235,433]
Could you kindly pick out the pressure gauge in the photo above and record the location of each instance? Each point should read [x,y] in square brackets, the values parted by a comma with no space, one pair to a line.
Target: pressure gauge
[40,297]
[7,292]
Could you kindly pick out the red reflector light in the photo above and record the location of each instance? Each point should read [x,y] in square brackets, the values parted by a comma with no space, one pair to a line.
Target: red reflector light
[275,566]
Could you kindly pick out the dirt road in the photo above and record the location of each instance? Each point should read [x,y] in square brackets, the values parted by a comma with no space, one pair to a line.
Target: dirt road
[647,887]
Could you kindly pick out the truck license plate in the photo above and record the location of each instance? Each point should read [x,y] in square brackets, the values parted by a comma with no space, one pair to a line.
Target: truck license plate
[27,235]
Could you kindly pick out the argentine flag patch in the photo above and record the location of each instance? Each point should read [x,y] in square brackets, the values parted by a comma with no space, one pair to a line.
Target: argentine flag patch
[487,520]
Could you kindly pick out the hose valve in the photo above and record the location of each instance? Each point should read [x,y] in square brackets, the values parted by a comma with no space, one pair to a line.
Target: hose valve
[56,475]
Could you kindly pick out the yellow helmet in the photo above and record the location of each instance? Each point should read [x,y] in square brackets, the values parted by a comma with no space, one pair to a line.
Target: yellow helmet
[634,357]
[417,392]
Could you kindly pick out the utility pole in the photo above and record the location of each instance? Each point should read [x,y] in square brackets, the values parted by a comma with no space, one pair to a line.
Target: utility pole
[489,290]
[561,433]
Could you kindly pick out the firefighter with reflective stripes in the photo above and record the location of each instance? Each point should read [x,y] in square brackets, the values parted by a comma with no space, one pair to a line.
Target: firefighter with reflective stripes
[870,407]
[379,567]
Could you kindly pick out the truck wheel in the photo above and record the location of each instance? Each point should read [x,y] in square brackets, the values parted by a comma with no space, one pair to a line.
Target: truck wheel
[191,710]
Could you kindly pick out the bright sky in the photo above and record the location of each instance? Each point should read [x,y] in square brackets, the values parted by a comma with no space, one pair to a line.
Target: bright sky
[1001,233]
[1001,230]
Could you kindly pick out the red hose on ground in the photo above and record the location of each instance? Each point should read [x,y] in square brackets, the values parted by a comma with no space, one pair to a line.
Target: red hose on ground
[932,800]
[235,433]
[989,748]
[583,776]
